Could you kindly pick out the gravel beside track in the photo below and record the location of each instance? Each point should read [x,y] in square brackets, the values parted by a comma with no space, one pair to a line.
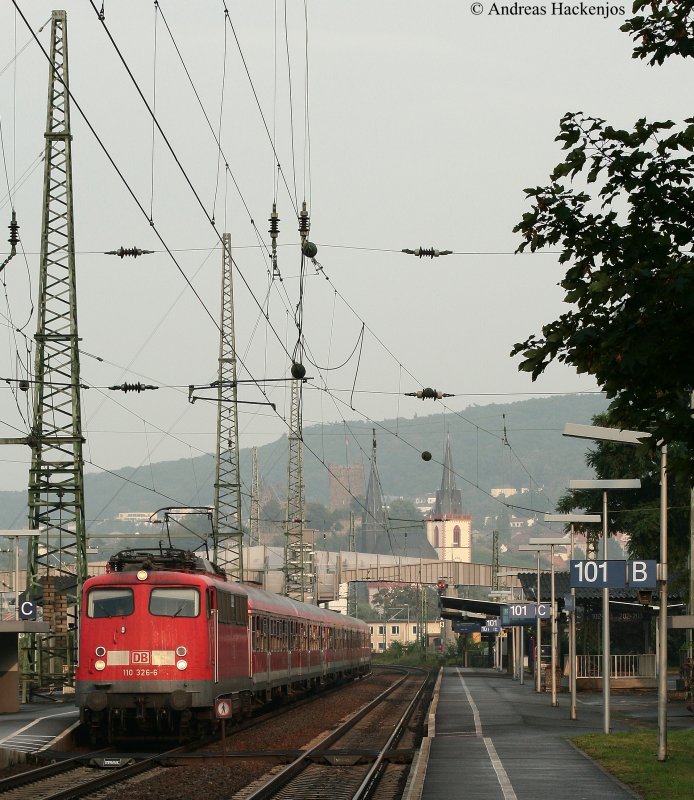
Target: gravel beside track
[291,731]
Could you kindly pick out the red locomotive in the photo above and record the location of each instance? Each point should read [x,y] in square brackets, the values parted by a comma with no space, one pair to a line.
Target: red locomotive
[163,636]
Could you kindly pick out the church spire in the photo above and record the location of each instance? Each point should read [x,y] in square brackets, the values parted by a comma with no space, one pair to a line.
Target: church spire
[374,519]
[449,502]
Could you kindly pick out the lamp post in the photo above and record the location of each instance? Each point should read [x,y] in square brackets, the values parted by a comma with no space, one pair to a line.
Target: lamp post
[634,438]
[521,644]
[548,541]
[538,622]
[604,485]
[571,519]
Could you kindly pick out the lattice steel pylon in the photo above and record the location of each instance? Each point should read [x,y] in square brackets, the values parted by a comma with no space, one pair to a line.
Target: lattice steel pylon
[254,521]
[56,478]
[226,523]
[495,560]
[298,555]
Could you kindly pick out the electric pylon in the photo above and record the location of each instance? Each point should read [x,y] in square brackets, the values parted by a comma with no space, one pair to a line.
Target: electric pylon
[56,478]
[226,524]
[254,531]
[495,560]
[297,556]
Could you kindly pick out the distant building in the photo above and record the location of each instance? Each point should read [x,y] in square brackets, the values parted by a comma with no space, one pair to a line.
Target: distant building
[134,516]
[345,483]
[448,529]
[425,504]
[506,491]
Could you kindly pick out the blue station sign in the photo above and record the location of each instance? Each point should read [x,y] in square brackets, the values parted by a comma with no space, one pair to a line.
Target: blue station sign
[467,627]
[524,613]
[613,574]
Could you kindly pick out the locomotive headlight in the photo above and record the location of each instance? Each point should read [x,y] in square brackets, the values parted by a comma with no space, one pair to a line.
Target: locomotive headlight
[181,651]
[142,575]
[181,664]
[100,651]
[100,664]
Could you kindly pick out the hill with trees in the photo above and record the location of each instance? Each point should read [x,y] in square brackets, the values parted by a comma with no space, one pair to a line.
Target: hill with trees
[516,444]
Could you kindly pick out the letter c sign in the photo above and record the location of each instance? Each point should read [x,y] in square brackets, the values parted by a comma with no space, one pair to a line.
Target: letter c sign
[27,610]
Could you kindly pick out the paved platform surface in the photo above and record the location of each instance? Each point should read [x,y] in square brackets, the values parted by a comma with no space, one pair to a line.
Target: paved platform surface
[36,726]
[491,738]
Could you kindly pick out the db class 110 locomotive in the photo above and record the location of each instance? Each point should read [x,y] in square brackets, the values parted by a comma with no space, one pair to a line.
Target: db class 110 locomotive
[164,636]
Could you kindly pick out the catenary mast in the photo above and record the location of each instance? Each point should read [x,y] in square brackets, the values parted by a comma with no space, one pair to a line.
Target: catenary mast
[227,532]
[56,478]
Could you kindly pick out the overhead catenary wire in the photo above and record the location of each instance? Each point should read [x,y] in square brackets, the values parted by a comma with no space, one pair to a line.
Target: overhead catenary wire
[379,340]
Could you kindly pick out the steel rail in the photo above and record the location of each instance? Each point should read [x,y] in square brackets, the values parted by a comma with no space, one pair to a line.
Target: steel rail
[280,780]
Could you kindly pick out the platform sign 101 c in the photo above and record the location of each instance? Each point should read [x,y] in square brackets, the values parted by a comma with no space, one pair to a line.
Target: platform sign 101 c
[524,613]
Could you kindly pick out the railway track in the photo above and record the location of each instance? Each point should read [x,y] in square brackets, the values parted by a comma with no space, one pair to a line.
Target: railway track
[360,759]
[374,746]
[82,775]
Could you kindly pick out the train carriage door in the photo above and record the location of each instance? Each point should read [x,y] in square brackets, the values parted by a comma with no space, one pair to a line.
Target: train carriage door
[213,631]
[323,633]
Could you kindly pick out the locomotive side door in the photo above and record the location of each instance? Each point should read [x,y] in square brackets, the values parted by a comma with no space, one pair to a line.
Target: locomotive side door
[213,631]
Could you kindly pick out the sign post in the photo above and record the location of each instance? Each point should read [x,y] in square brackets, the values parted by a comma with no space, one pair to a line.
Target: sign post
[571,519]
[223,711]
[604,485]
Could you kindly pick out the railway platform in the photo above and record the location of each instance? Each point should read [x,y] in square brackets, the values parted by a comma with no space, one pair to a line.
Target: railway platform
[35,727]
[491,738]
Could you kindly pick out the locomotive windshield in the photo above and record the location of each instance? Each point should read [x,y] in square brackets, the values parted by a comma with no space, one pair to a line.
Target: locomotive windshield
[174,602]
[110,603]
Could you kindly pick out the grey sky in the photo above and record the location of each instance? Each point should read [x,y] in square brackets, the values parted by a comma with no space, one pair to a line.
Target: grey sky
[426,122]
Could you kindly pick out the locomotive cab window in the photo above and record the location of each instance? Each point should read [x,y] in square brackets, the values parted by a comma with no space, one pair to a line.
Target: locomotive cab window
[174,602]
[110,603]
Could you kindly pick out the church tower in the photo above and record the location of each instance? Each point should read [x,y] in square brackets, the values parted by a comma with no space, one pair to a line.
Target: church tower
[449,530]
[375,532]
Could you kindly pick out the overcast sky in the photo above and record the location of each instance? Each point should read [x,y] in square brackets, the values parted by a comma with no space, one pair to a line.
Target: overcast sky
[426,122]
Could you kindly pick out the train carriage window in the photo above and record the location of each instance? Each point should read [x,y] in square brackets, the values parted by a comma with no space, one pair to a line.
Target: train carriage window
[110,603]
[241,609]
[255,633]
[174,601]
[225,601]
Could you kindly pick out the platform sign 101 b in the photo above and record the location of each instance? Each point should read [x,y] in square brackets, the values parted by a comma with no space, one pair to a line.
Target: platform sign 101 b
[612,574]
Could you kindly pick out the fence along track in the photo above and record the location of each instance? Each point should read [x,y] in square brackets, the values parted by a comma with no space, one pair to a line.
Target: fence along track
[351,771]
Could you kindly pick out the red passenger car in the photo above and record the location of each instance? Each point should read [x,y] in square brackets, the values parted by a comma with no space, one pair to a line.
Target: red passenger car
[163,635]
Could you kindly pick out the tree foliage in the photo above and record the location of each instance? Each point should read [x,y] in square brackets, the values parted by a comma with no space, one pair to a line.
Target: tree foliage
[664,30]
[391,600]
[630,276]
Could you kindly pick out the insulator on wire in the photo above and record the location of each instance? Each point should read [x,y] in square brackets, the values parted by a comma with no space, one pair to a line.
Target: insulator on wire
[14,231]
[428,394]
[429,252]
[304,222]
[274,221]
[128,251]
[132,387]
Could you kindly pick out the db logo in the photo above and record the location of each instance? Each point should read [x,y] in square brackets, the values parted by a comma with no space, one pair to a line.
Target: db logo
[140,657]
